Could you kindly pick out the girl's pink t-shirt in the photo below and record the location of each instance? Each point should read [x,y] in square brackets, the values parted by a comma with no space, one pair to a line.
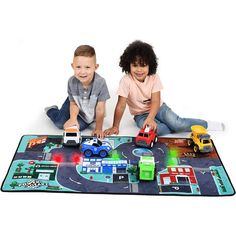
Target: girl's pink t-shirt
[138,94]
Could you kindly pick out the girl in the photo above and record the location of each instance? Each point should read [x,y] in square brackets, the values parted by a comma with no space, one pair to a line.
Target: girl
[140,88]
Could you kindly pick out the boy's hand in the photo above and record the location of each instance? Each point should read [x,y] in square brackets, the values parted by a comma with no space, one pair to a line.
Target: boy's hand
[112,130]
[98,133]
[70,123]
[150,123]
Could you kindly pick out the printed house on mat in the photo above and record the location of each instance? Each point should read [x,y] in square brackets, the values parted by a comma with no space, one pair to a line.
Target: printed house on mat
[178,174]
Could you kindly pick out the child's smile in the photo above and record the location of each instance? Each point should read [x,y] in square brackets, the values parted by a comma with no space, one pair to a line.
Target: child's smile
[84,68]
[139,72]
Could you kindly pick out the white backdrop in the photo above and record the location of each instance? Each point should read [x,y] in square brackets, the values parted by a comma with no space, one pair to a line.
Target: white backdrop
[195,43]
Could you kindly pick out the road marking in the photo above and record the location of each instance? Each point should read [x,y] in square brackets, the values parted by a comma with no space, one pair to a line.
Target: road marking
[74,181]
[123,155]
[161,150]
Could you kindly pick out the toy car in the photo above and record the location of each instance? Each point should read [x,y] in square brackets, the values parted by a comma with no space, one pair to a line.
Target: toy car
[146,168]
[72,136]
[146,137]
[200,139]
[96,147]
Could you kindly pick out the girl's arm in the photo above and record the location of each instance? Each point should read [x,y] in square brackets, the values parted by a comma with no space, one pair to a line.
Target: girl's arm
[119,111]
[155,106]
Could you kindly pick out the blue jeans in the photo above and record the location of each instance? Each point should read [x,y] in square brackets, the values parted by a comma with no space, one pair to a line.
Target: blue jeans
[169,122]
[59,117]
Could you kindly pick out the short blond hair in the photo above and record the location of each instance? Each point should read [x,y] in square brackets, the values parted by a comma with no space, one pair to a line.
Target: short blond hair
[84,50]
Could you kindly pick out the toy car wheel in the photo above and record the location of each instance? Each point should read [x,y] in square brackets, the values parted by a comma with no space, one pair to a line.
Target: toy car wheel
[151,144]
[195,148]
[103,153]
[88,153]
[190,142]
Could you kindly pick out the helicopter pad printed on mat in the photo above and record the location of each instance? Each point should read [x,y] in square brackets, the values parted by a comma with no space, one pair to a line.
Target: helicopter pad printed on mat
[42,163]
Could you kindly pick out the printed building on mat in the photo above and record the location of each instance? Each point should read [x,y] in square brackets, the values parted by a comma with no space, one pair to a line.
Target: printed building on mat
[99,165]
[178,174]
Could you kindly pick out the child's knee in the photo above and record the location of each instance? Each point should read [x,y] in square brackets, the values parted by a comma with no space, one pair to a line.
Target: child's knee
[59,125]
[139,124]
[139,120]
[162,130]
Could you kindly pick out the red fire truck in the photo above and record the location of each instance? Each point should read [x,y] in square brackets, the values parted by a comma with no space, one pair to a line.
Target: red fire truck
[146,137]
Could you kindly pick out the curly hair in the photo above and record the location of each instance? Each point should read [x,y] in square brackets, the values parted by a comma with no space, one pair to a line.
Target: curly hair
[141,53]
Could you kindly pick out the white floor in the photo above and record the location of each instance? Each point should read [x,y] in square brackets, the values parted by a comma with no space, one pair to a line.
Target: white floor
[195,44]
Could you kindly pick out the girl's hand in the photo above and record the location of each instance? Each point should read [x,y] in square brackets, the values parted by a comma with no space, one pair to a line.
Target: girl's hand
[112,130]
[70,123]
[98,133]
[150,123]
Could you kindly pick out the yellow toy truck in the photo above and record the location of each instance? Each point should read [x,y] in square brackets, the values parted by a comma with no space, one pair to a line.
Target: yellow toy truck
[200,139]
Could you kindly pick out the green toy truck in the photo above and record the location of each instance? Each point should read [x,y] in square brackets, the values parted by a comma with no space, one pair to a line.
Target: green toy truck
[146,168]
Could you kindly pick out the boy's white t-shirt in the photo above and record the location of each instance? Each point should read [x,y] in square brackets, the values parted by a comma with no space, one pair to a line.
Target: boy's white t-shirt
[138,94]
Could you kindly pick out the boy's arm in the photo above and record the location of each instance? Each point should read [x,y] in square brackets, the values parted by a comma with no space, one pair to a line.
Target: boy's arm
[119,111]
[155,106]
[74,111]
[100,113]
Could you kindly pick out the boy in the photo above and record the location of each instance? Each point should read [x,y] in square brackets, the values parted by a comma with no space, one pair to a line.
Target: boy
[87,92]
